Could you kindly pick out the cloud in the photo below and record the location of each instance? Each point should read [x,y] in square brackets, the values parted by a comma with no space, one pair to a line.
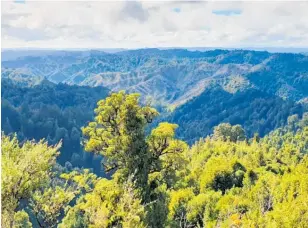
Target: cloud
[26,33]
[127,24]
[134,10]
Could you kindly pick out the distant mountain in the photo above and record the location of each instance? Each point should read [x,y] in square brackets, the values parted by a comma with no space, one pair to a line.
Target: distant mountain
[269,49]
[255,88]
[14,54]
[170,76]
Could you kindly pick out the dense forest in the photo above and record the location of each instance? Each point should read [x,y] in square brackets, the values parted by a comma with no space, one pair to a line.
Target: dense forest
[255,110]
[169,77]
[227,179]
[215,139]
[195,89]
[57,111]
[54,112]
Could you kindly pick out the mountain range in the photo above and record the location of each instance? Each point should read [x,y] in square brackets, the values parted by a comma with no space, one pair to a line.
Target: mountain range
[257,89]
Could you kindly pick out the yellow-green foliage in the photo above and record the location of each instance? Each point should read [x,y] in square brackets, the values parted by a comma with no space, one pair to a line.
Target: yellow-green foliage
[110,204]
[117,133]
[47,205]
[260,184]
[179,200]
[84,181]
[224,180]
[21,220]
[25,169]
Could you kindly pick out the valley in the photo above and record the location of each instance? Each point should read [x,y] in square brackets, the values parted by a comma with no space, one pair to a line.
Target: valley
[194,89]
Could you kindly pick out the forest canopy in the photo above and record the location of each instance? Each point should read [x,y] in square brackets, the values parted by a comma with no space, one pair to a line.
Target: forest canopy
[53,112]
[156,180]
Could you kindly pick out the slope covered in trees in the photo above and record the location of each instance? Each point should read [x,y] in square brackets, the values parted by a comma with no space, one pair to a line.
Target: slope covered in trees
[170,77]
[202,88]
[224,180]
[255,110]
[256,89]
[51,111]
[46,110]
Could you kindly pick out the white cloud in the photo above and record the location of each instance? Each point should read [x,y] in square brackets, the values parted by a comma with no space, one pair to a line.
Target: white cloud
[117,24]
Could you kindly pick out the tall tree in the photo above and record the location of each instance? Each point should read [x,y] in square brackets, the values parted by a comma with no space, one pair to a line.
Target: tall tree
[118,134]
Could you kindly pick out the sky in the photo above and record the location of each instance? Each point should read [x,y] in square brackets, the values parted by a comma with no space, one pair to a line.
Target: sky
[140,24]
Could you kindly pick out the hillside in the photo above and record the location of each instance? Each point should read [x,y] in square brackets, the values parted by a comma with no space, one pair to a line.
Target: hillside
[257,111]
[169,77]
[54,112]
[258,90]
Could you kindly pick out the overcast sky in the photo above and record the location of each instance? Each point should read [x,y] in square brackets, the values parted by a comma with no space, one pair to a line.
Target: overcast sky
[101,24]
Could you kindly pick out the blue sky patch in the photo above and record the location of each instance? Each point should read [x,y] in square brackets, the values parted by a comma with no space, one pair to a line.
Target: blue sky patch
[227,12]
[20,1]
[177,10]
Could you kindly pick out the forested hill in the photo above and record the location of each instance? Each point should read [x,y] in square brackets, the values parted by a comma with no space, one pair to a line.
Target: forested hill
[51,111]
[170,77]
[258,90]
[223,180]
[257,111]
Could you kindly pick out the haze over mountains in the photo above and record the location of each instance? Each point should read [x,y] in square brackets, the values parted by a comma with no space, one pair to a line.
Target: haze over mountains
[207,87]
[12,53]
[169,76]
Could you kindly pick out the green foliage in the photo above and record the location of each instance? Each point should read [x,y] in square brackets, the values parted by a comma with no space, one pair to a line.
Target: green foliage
[167,155]
[118,135]
[224,180]
[48,205]
[109,204]
[151,162]
[255,110]
[74,218]
[255,89]
[256,183]
[25,169]
[83,181]
[21,220]
[221,174]
[170,76]
[54,112]
[177,206]
[225,131]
